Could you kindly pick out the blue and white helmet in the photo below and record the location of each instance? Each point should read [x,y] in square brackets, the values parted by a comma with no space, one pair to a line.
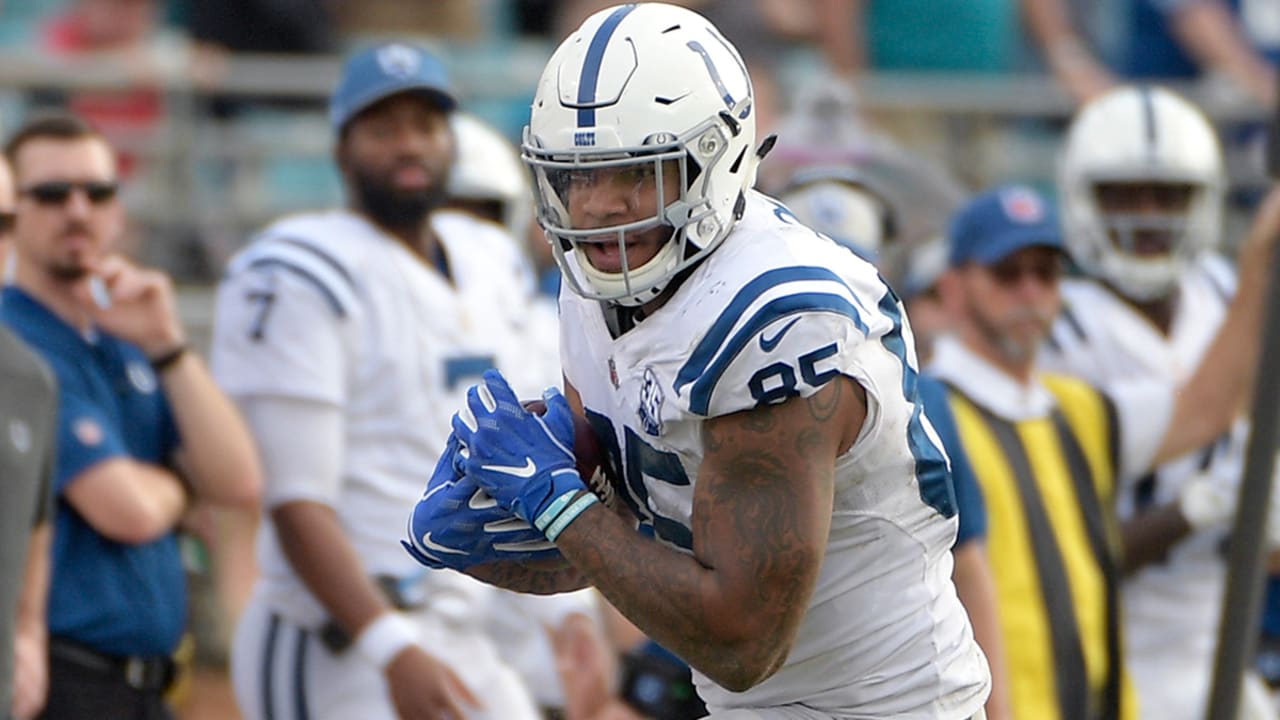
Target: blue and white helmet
[648,84]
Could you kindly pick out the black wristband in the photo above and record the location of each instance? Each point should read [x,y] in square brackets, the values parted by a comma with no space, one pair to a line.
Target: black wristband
[166,360]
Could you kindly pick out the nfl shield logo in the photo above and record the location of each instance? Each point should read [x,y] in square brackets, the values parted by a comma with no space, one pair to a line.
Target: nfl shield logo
[650,411]
[1022,205]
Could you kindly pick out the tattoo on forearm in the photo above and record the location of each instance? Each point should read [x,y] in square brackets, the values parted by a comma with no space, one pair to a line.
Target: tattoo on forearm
[545,579]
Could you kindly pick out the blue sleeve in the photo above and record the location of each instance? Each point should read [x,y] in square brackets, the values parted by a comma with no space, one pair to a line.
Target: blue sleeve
[86,437]
[971,508]
[1271,608]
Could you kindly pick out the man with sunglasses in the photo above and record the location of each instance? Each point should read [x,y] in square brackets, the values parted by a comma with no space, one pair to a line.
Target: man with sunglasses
[1049,450]
[142,429]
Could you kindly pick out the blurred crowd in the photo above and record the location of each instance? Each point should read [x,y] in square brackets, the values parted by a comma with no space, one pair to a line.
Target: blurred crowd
[203,158]
[200,132]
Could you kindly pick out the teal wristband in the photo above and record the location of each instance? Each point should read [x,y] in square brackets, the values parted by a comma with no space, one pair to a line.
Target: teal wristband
[569,515]
[553,510]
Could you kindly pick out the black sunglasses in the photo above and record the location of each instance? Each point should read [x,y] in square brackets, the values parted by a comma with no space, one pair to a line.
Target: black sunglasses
[57,192]
[1010,271]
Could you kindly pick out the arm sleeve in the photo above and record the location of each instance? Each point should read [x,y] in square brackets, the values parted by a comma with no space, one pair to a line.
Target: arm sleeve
[85,437]
[301,446]
[1143,412]
[969,502]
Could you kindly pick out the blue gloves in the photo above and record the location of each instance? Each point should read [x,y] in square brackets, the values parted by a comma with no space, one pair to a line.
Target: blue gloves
[524,461]
[458,525]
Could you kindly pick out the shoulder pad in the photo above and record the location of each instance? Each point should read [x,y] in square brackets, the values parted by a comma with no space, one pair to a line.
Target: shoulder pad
[306,260]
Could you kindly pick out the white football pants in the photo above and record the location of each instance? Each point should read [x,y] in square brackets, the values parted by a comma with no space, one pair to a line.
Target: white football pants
[283,672]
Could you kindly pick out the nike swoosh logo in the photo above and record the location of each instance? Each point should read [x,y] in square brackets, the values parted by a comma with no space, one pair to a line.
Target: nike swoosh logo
[768,344]
[522,472]
[429,544]
[481,500]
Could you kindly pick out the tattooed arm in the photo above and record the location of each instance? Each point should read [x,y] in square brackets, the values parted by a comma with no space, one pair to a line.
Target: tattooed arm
[761,514]
[546,577]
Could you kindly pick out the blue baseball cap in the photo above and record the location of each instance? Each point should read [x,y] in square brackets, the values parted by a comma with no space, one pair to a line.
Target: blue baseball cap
[385,70]
[1000,222]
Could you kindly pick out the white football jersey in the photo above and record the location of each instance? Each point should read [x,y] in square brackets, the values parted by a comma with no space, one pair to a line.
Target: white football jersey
[775,312]
[327,308]
[1172,607]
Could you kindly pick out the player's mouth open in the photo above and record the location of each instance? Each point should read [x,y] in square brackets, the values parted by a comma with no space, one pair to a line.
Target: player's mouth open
[606,255]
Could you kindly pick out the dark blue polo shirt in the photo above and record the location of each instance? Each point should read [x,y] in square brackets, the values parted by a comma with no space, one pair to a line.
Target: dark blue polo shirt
[970,506]
[117,598]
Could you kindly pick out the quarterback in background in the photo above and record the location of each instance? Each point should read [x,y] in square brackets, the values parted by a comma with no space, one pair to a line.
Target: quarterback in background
[346,337]
[754,385]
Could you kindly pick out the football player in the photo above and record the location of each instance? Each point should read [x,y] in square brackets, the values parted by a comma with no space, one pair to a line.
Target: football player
[347,337]
[754,383]
[1141,180]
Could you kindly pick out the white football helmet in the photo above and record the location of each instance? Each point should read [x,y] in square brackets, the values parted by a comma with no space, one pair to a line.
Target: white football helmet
[841,203]
[650,86]
[1139,135]
[488,169]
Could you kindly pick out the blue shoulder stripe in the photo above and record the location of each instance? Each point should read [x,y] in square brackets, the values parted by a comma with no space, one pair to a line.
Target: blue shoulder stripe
[323,256]
[273,262]
[715,337]
[700,395]
[934,478]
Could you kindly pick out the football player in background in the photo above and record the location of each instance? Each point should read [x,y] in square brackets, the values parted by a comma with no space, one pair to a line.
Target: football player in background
[1142,183]
[754,384]
[347,337]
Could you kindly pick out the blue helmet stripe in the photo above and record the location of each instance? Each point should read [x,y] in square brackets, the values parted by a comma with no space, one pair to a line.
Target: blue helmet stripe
[715,74]
[715,337]
[591,65]
[810,302]
[1149,119]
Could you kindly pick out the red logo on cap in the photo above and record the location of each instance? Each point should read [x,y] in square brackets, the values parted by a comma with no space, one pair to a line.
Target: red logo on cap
[87,431]
[1022,205]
